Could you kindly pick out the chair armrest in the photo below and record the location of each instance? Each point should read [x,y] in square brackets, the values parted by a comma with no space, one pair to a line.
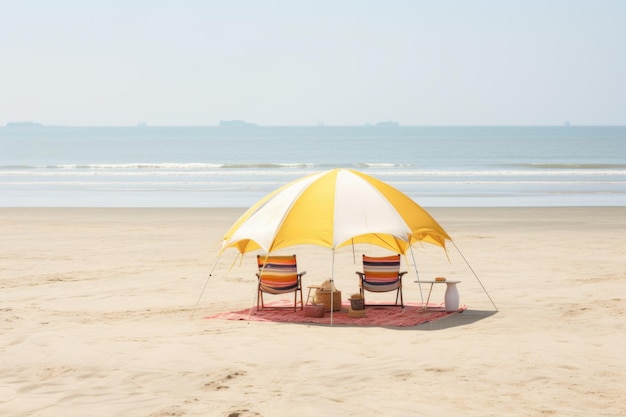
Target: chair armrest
[401,274]
[361,274]
[301,273]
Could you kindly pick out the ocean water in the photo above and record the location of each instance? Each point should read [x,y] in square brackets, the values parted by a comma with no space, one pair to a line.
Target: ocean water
[235,166]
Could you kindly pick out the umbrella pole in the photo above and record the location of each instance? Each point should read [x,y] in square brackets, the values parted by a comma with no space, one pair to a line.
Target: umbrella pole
[417,274]
[332,285]
[475,276]
[353,253]
[254,301]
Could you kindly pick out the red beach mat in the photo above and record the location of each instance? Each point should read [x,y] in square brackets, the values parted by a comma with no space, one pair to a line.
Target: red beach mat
[410,315]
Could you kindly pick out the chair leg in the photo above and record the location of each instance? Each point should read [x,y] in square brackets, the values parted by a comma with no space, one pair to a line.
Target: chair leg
[399,295]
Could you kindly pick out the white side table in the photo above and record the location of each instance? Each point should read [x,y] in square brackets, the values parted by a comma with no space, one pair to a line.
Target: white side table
[451,297]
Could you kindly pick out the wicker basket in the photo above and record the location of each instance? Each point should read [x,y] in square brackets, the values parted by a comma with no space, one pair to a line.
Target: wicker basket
[357,304]
[323,297]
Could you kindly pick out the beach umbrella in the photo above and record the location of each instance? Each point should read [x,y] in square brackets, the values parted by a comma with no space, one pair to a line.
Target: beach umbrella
[333,209]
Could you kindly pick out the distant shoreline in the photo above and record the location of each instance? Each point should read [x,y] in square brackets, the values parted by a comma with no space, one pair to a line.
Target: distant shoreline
[24,124]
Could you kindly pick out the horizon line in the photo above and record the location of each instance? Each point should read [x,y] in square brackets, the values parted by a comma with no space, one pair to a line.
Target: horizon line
[253,126]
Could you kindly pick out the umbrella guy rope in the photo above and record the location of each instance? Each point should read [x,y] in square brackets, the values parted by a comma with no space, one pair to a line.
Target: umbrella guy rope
[217,259]
[195,307]
[475,275]
[203,289]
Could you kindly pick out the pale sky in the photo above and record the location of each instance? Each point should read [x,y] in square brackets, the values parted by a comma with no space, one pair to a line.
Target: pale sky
[304,62]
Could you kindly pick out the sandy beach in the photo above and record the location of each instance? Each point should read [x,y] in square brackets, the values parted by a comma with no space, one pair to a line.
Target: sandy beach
[97,319]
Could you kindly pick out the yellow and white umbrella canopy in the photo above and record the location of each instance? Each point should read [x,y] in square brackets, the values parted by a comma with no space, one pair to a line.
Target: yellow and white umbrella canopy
[333,209]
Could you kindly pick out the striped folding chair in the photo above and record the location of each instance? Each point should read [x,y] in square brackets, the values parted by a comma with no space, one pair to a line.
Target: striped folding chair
[279,275]
[381,274]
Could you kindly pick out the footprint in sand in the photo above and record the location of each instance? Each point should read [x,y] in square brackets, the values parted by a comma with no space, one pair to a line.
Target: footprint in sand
[220,383]
[243,413]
